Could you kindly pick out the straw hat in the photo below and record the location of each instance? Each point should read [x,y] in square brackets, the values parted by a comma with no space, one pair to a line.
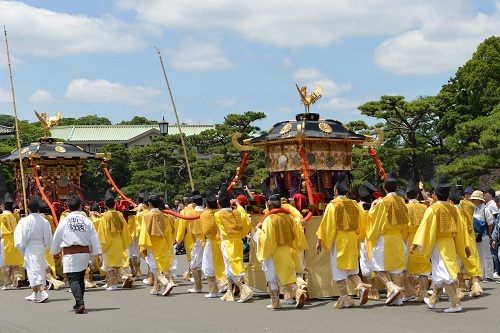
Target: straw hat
[477,195]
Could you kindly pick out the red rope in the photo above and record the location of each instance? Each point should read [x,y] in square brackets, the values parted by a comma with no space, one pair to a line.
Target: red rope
[184,217]
[42,193]
[378,163]
[111,181]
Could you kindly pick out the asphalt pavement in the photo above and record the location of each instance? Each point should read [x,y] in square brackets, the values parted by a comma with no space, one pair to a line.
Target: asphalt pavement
[135,310]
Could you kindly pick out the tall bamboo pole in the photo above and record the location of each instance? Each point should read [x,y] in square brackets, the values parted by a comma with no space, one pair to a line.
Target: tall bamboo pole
[178,122]
[23,184]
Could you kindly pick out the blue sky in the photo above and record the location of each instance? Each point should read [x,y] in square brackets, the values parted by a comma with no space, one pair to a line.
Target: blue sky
[85,57]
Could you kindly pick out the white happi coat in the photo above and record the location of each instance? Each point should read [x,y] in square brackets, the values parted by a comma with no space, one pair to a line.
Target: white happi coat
[75,229]
[32,236]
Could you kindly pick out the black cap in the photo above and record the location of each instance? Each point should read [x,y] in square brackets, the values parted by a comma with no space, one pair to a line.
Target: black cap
[210,196]
[363,192]
[411,190]
[370,187]
[224,197]
[342,184]
[109,198]
[33,204]
[442,182]
[391,182]
[455,194]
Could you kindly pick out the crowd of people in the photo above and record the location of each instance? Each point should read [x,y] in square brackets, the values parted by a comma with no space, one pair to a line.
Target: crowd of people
[409,240]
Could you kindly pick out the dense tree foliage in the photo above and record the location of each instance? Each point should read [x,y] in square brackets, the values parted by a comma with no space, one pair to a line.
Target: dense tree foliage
[138,121]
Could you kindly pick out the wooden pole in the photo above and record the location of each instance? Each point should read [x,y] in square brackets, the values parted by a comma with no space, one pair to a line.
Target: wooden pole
[178,122]
[23,182]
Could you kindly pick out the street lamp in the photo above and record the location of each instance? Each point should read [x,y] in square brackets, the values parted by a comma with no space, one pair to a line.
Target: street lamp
[163,126]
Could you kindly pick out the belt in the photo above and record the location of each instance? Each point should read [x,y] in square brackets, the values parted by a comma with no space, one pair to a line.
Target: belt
[74,249]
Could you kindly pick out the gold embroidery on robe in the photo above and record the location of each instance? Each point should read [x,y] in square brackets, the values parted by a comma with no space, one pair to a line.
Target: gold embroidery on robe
[283,228]
[346,214]
[397,211]
[208,225]
[231,221]
[446,218]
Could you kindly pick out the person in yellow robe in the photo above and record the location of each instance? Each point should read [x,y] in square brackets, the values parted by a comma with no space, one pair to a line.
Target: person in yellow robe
[339,230]
[469,265]
[233,227]
[10,257]
[181,234]
[115,238]
[156,245]
[213,263]
[418,264]
[195,232]
[436,237]
[385,235]
[299,242]
[274,238]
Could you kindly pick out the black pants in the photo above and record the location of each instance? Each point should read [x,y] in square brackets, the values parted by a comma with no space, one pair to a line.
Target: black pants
[77,284]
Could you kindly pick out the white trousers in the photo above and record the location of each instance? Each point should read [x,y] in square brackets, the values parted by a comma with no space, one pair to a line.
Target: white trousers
[483,248]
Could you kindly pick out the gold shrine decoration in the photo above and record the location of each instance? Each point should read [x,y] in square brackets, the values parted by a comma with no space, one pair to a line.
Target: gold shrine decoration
[371,141]
[306,100]
[48,123]
[239,146]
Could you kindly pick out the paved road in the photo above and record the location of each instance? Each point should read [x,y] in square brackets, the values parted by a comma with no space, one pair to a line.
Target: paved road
[134,310]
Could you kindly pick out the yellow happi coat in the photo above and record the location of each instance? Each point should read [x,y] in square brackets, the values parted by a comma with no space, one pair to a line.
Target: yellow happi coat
[389,218]
[157,235]
[11,255]
[439,228]
[275,240]
[181,234]
[233,227]
[417,263]
[210,231]
[114,237]
[300,241]
[342,225]
[472,264]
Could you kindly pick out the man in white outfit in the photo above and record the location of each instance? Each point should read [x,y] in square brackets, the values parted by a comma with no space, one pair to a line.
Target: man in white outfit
[31,237]
[77,238]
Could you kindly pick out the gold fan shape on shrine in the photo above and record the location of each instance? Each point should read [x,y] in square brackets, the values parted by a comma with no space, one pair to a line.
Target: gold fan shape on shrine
[285,129]
[325,128]
[60,149]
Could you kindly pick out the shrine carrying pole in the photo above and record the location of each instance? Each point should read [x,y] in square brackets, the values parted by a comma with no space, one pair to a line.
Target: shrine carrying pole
[23,182]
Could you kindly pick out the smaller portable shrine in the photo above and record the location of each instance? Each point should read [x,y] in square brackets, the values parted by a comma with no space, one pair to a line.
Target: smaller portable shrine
[49,165]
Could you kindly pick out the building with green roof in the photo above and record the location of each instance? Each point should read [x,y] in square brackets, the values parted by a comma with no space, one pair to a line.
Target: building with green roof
[93,137]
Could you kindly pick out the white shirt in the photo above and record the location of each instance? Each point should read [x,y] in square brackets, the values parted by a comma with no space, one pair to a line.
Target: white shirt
[490,210]
[33,233]
[75,229]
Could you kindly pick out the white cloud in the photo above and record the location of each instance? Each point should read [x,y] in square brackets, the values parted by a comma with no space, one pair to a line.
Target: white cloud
[444,42]
[103,91]
[426,36]
[312,77]
[292,23]
[41,96]
[43,32]
[193,55]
